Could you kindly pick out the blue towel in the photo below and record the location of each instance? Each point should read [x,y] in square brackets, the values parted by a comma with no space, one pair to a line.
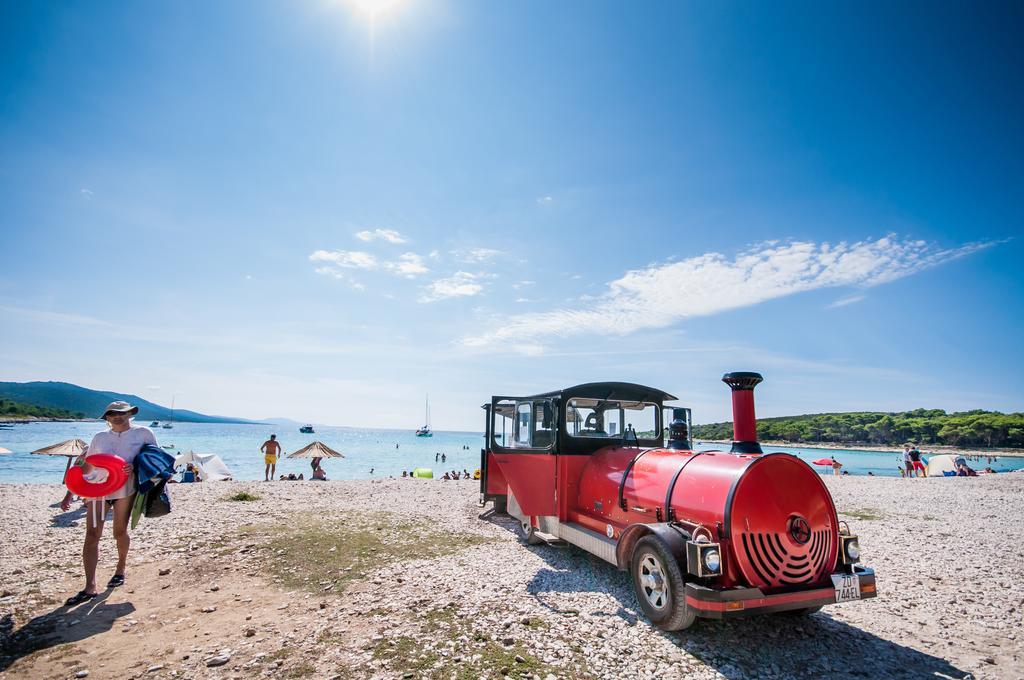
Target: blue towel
[152,466]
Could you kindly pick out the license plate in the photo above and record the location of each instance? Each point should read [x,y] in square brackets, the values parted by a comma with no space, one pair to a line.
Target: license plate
[847,587]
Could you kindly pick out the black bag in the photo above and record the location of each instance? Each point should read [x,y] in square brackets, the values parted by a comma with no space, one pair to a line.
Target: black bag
[158,502]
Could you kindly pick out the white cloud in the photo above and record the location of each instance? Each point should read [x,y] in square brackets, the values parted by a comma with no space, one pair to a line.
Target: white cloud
[528,349]
[330,271]
[660,295]
[434,254]
[349,259]
[849,300]
[523,284]
[408,265]
[389,235]
[545,200]
[86,192]
[460,284]
[475,255]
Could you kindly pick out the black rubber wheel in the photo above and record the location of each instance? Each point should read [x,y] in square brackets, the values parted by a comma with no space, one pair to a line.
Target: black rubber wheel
[659,586]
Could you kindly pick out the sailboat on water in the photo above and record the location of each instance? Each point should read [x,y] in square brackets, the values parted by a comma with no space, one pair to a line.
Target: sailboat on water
[167,425]
[425,430]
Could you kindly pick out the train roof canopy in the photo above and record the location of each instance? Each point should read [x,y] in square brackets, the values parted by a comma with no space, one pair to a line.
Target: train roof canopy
[611,390]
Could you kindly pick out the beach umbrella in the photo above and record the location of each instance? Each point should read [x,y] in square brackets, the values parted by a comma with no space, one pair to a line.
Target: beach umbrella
[316,450]
[71,448]
[822,461]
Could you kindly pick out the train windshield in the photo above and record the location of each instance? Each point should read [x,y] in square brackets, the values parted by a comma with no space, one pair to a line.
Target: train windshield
[611,418]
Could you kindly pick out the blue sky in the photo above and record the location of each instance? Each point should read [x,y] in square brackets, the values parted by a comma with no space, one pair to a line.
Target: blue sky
[325,209]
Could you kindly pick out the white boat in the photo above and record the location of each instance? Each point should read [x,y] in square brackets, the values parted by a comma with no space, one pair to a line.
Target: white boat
[425,430]
[167,425]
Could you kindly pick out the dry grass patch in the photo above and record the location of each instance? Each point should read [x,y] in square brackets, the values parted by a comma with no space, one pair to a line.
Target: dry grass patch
[447,646]
[324,555]
[864,514]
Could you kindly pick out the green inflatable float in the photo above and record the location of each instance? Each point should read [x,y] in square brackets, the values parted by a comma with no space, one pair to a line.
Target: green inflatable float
[423,473]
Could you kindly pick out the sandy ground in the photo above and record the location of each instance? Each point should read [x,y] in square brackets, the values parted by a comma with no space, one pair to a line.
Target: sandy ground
[204,598]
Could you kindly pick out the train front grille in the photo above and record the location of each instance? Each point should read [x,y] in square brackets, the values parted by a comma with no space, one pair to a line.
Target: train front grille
[778,563]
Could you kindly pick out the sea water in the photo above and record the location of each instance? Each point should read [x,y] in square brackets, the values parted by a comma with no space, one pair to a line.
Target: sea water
[369,453]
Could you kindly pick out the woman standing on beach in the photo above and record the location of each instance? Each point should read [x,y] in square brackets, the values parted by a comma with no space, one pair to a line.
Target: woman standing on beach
[125,440]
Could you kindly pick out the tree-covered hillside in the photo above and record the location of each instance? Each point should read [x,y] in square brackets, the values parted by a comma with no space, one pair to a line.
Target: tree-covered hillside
[67,397]
[921,426]
[14,410]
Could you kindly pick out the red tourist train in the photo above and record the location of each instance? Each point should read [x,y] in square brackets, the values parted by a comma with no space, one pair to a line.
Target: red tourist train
[715,534]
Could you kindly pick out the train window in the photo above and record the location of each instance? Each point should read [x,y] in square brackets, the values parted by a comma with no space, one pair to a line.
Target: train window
[610,419]
[644,421]
[543,424]
[523,424]
[503,414]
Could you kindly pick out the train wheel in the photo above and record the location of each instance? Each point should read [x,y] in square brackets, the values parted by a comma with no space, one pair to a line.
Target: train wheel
[659,586]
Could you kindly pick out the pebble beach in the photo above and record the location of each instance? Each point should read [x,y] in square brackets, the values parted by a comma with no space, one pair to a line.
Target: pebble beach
[412,579]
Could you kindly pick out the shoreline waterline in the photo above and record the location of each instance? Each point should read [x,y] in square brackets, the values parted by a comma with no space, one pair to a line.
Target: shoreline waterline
[369,453]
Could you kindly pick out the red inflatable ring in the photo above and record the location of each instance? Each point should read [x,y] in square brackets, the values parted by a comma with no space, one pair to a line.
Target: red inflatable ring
[116,476]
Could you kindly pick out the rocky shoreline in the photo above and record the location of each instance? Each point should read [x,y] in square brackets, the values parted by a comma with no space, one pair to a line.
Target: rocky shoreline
[406,579]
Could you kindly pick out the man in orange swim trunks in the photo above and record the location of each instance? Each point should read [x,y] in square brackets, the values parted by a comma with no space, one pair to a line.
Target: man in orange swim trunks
[271,450]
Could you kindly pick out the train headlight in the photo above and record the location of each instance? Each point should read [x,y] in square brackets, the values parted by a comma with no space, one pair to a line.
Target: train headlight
[712,560]
[703,558]
[849,549]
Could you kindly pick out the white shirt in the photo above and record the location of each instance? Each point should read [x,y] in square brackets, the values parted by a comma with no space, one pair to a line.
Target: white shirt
[125,444]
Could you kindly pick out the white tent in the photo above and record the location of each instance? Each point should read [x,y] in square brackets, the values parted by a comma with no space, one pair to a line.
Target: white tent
[211,467]
[939,465]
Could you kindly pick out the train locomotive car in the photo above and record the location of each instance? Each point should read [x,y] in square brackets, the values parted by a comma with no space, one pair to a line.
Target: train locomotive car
[609,468]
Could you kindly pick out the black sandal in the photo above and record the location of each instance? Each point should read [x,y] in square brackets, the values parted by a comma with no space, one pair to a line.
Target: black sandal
[81,597]
[115,581]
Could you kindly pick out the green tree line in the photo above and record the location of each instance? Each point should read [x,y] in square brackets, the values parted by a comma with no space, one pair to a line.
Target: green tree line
[13,409]
[920,426]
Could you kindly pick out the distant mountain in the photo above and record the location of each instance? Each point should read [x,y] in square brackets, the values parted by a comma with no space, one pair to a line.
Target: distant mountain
[282,421]
[62,395]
